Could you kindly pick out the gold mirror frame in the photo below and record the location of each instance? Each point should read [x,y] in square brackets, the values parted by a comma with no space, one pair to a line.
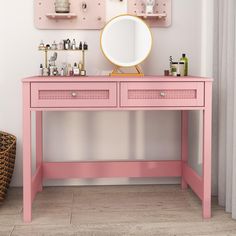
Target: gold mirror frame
[117,71]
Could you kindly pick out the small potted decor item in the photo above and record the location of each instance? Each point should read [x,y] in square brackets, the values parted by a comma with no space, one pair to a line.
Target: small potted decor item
[62,6]
[7,162]
[150,4]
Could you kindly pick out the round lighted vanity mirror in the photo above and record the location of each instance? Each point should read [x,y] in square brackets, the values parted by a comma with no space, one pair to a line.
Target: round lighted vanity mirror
[126,41]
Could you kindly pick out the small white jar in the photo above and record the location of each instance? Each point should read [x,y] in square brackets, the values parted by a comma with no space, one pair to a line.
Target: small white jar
[62,6]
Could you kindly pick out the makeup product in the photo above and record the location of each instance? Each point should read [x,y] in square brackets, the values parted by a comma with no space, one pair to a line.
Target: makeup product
[55,72]
[61,45]
[76,70]
[85,46]
[67,44]
[80,46]
[80,66]
[62,6]
[69,70]
[51,70]
[41,45]
[45,71]
[185,60]
[167,73]
[171,60]
[174,68]
[62,72]
[54,46]
[83,72]
[64,67]
[41,70]
[181,68]
[73,45]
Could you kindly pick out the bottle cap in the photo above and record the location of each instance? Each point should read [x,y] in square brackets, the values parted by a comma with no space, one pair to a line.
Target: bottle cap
[183,55]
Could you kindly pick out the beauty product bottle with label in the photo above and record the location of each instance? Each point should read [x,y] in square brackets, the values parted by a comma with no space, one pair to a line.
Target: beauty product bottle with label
[80,46]
[76,70]
[69,70]
[185,60]
[61,45]
[85,46]
[73,45]
[181,68]
[41,70]
[54,45]
[174,68]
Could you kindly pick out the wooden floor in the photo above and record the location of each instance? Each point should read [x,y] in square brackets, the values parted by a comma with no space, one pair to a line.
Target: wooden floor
[113,210]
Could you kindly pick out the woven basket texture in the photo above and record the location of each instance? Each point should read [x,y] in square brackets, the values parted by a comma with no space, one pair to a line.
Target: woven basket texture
[7,162]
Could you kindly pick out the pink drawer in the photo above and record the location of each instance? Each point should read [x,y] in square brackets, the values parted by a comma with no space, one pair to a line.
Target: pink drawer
[80,94]
[159,94]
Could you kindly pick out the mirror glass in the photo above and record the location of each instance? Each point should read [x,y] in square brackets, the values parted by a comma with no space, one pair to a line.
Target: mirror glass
[126,41]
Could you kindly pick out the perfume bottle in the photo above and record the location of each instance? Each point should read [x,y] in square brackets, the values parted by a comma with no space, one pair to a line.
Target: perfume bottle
[76,70]
[73,45]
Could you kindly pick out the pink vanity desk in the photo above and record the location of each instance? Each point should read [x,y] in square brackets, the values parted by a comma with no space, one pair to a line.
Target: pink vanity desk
[42,94]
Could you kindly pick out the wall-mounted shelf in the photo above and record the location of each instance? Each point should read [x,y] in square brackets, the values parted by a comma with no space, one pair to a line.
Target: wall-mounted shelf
[58,16]
[161,16]
[93,17]
[146,16]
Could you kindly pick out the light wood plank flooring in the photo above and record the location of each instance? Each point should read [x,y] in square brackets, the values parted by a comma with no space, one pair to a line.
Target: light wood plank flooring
[114,210]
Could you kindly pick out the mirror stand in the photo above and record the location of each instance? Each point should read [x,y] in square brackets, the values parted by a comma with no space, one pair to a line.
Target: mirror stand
[118,72]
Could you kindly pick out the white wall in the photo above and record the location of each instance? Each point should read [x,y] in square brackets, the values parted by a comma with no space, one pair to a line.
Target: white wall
[96,135]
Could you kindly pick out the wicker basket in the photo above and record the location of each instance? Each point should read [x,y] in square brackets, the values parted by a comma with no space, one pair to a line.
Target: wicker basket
[7,161]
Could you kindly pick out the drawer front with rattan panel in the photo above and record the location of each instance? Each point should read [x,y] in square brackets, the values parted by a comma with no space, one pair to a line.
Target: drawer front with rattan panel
[73,95]
[159,94]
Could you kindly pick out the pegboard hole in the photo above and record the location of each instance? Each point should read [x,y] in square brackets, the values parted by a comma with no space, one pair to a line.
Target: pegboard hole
[84,18]
[40,18]
[99,4]
[40,3]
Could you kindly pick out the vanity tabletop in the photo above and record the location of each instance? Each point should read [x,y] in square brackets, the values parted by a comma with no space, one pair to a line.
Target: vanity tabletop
[116,79]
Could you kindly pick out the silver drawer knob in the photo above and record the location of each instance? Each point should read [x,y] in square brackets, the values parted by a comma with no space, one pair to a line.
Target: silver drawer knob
[162,94]
[73,94]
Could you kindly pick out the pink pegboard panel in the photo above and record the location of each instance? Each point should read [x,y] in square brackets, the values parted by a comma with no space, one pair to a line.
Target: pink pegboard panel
[94,17]
[161,16]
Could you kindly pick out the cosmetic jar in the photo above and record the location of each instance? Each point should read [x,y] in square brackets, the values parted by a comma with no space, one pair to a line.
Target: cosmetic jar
[62,6]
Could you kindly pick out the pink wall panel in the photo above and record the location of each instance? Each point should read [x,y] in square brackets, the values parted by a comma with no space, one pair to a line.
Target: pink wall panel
[93,18]
[162,8]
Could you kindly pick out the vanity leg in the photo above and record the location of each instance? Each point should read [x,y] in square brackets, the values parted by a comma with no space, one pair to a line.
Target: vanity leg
[207,133]
[39,146]
[27,177]
[184,145]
